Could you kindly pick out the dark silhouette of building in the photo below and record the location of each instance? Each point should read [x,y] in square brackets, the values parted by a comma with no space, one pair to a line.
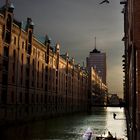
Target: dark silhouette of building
[97,60]
[131,65]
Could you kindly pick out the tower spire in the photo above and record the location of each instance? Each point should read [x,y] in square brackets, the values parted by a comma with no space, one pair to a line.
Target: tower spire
[6,2]
[95,42]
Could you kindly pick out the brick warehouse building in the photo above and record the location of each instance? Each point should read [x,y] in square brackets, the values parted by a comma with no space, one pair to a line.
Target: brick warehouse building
[131,65]
[98,89]
[35,79]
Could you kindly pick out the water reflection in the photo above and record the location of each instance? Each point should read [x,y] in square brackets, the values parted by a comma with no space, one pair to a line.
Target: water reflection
[118,125]
[70,127]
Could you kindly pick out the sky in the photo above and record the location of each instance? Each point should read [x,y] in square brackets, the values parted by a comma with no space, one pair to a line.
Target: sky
[74,24]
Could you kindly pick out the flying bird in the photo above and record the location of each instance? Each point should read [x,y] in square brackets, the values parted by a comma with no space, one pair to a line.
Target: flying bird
[104,1]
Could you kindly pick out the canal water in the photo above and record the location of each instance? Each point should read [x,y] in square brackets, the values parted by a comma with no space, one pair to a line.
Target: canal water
[70,127]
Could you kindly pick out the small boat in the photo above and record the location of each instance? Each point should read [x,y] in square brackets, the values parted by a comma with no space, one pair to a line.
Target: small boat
[88,135]
[109,136]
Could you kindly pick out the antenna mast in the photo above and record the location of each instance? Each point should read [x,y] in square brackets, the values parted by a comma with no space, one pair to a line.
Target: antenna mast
[95,42]
[7,2]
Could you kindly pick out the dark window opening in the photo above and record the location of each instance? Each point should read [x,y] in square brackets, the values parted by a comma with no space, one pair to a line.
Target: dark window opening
[13,79]
[47,58]
[12,97]
[42,76]
[4,96]
[7,37]
[45,99]
[26,46]
[29,43]
[46,87]
[42,67]
[4,79]
[22,58]
[6,51]
[33,73]
[38,64]
[29,49]
[15,40]
[28,60]
[20,97]
[26,98]
[37,75]
[33,63]
[33,98]
[5,65]
[33,84]
[30,37]
[14,67]
[21,80]
[27,71]
[46,69]
[41,98]
[21,69]
[23,45]
[27,109]
[3,33]
[46,77]
[14,54]
[27,83]
[37,98]
[9,22]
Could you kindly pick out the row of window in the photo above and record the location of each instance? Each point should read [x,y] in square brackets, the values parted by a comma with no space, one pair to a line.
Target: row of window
[35,98]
